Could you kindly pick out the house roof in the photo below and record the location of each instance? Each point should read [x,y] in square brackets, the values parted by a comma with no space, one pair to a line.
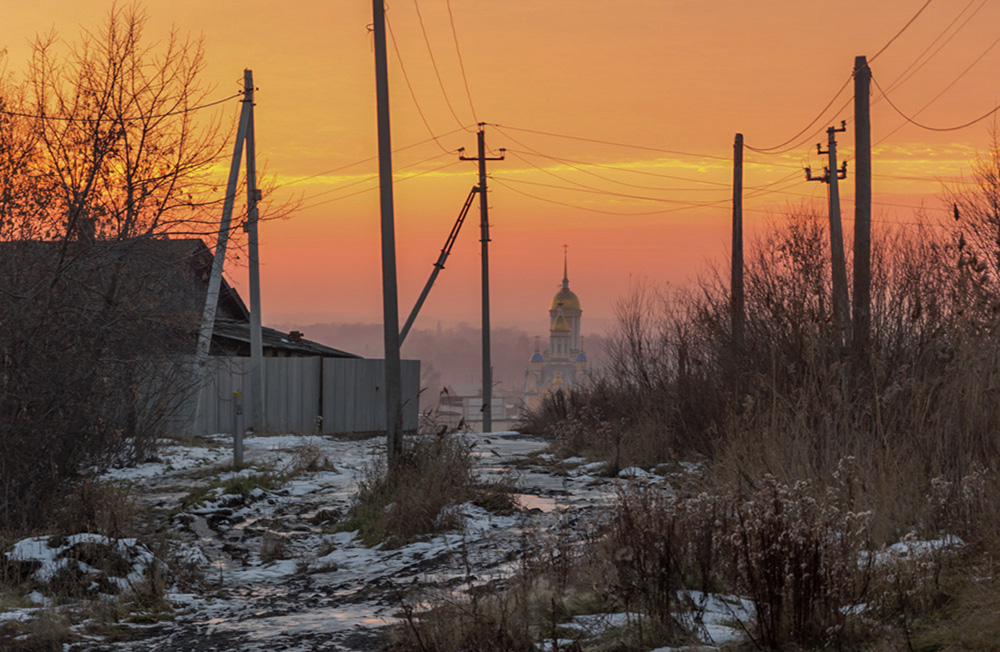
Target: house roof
[238,331]
[170,275]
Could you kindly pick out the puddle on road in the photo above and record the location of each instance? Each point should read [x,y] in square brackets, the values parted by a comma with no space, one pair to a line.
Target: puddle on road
[533,501]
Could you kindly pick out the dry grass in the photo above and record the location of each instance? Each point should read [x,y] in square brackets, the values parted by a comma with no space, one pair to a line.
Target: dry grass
[421,495]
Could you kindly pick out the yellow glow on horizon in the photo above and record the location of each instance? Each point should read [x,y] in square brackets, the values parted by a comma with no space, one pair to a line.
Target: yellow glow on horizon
[674,77]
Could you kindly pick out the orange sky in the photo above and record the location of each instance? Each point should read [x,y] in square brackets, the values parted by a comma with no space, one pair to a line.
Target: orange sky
[680,75]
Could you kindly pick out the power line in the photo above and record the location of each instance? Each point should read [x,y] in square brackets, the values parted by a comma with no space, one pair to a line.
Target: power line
[724,185]
[437,73]
[372,177]
[927,127]
[571,164]
[777,149]
[720,203]
[798,168]
[461,64]
[395,181]
[761,193]
[608,179]
[413,95]
[610,193]
[903,77]
[608,142]
[900,32]
[781,148]
[120,119]
[943,91]
[585,208]
[370,158]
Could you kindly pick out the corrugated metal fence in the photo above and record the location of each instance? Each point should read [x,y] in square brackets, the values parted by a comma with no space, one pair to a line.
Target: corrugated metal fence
[329,395]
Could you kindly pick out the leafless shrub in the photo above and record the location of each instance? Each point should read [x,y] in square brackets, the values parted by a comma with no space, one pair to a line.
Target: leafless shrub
[966,508]
[97,507]
[494,622]
[307,458]
[799,560]
[421,494]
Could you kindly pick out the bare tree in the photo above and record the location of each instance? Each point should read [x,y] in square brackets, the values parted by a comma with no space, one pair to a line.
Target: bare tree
[123,151]
[976,209]
[102,155]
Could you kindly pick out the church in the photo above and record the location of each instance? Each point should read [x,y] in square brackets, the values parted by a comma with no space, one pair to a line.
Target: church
[564,364]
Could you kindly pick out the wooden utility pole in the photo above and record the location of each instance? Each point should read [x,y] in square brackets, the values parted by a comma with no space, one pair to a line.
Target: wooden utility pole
[862,207]
[257,416]
[841,302]
[390,304]
[736,284]
[484,239]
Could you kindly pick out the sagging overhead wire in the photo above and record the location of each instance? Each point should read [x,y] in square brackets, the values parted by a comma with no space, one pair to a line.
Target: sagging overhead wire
[610,193]
[721,186]
[587,208]
[372,177]
[786,146]
[121,119]
[797,168]
[684,208]
[576,165]
[942,92]
[781,148]
[461,63]
[437,73]
[900,32]
[760,191]
[608,142]
[395,181]
[516,155]
[366,160]
[413,95]
[928,127]
[909,71]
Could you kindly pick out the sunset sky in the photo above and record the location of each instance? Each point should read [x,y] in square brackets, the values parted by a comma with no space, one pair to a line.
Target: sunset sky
[678,77]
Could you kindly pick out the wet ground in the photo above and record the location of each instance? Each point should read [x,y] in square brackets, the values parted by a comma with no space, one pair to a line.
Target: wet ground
[275,576]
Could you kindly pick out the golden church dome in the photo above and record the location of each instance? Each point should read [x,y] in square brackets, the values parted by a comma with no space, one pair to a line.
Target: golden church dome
[565,299]
[559,324]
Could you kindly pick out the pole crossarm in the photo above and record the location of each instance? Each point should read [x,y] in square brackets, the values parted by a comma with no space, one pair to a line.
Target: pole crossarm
[831,174]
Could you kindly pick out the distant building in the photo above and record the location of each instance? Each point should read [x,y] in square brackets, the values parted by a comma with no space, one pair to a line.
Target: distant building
[564,364]
[463,402]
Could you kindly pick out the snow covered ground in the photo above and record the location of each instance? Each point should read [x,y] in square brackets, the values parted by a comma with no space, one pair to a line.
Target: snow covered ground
[276,575]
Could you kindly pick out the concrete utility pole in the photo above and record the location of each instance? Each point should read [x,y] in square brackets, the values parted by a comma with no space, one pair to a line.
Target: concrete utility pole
[862,207]
[841,302]
[736,283]
[218,260]
[215,279]
[257,416]
[439,265]
[484,225]
[390,304]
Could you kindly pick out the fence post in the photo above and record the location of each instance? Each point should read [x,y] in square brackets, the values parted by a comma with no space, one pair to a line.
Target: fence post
[238,426]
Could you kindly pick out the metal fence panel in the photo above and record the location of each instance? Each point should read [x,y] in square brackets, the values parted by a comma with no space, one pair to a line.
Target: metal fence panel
[345,395]
[354,398]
